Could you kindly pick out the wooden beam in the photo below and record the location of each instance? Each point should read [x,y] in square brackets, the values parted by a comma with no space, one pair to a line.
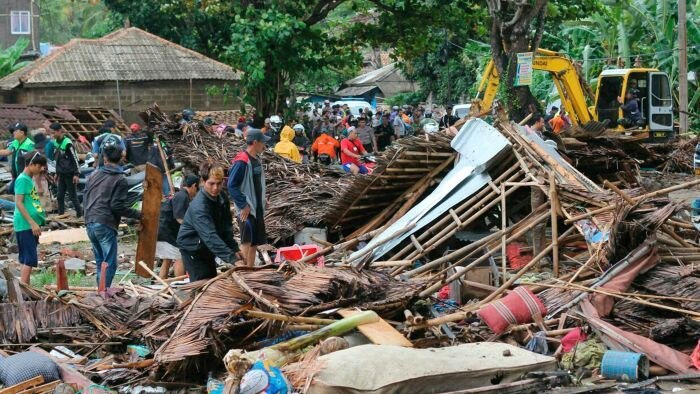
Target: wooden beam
[23,386]
[150,216]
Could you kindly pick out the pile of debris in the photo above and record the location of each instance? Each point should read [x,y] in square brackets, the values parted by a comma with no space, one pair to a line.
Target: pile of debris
[526,273]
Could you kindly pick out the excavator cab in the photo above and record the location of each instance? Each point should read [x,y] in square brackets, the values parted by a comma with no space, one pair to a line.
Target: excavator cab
[652,90]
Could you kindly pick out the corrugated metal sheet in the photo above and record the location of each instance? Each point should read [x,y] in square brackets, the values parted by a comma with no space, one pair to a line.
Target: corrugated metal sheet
[127,55]
[479,145]
[355,90]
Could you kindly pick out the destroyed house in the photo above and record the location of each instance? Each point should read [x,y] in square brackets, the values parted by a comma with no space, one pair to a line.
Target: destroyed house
[126,71]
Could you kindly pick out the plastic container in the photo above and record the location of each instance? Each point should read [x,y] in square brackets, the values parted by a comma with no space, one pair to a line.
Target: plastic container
[625,366]
[297,252]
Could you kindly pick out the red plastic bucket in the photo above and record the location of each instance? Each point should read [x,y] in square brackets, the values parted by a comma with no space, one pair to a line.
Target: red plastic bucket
[518,307]
[297,252]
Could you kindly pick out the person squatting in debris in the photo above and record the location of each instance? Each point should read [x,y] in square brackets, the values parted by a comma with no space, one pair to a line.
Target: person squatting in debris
[351,151]
[172,214]
[106,203]
[246,185]
[286,147]
[18,148]
[67,169]
[206,232]
[29,214]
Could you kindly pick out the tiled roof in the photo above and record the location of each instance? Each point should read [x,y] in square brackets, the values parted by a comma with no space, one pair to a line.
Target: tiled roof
[129,54]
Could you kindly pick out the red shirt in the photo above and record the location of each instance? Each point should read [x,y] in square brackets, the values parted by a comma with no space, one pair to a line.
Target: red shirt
[354,146]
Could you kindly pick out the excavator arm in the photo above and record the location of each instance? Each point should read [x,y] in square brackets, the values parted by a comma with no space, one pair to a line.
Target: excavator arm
[573,91]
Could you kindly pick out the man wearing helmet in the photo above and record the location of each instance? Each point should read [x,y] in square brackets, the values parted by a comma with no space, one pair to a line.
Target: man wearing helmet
[302,142]
[275,129]
[108,137]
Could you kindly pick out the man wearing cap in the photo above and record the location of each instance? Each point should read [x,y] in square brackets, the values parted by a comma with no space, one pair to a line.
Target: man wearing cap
[138,144]
[108,136]
[19,147]
[172,214]
[67,172]
[246,185]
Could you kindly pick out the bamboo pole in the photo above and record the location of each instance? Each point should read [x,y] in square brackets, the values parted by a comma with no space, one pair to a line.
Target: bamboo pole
[457,316]
[258,297]
[289,319]
[443,225]
[553,201]
[463,270]
[159,279]
[474,246]
[636,199]
[504,234]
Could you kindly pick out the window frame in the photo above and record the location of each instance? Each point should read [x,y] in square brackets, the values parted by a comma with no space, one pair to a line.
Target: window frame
[16,30]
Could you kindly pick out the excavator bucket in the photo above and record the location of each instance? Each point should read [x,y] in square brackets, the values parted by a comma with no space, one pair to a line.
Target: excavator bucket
[588,130]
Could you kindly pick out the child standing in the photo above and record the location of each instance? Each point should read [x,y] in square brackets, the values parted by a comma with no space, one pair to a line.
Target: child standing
[29,214]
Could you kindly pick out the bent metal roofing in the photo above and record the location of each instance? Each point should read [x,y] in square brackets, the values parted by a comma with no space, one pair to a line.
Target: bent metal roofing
[129,54]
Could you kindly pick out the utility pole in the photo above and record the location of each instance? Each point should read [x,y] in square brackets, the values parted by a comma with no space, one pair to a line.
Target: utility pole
[682,67]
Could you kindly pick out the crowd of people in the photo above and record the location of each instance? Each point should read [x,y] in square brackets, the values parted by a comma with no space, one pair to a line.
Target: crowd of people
[336,135]
[195,229]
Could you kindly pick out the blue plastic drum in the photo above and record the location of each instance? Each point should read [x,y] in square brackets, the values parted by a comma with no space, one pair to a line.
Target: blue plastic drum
[626,366]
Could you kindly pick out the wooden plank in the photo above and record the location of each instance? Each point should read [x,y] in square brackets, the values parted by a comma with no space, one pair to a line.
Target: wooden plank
[380,333]
[63,237]
[23,386]
[150,216]
[44,388]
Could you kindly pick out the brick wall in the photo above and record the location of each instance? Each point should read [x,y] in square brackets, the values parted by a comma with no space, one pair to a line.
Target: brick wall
[171,96]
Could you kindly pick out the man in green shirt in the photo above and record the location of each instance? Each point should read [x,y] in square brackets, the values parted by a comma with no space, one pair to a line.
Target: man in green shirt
[19,147]
[29,214]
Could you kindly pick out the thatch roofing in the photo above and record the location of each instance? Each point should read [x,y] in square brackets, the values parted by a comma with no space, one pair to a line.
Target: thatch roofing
[129,54]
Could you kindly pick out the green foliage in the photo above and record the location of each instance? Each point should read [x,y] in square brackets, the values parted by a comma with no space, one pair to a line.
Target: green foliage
[413,98]
[62,20]
[9,57]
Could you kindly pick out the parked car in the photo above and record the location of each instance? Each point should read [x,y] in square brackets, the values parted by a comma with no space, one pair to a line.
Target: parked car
[355,105]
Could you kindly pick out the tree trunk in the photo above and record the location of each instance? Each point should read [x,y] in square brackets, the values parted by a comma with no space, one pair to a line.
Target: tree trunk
[513,32]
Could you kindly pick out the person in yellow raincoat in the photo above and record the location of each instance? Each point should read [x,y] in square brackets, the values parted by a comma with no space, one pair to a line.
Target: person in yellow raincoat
[286,147]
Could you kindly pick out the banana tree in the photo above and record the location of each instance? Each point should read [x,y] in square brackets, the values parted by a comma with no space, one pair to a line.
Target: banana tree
[9,57]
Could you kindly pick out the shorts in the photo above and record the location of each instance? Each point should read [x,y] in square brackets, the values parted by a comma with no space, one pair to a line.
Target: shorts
[166,250]
[363,169]
[27,244]
[253,230]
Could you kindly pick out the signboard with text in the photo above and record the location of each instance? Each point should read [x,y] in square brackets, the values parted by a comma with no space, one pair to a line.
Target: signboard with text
[524,75]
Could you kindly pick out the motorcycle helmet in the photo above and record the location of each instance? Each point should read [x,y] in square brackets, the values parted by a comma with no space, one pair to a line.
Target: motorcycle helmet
[275,122]
[188,114]
[298,128]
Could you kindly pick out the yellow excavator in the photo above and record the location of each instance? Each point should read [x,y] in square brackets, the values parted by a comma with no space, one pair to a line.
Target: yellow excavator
[596,112]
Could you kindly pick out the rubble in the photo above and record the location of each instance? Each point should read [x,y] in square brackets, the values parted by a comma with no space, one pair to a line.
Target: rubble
[485,239]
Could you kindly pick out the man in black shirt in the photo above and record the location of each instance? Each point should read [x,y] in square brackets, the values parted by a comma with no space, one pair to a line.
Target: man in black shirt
[172,214]
[448,119]
[67,172]
[383,132]
[138,145]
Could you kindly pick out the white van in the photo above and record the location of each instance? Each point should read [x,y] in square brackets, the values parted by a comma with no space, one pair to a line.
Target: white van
[355,106]
[461,110]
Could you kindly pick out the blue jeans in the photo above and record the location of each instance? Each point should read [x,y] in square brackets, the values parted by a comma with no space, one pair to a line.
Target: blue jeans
[166,186]
[104,246]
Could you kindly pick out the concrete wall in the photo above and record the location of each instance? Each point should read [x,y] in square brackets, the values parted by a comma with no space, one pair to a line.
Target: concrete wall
[171,96]
[6,36]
